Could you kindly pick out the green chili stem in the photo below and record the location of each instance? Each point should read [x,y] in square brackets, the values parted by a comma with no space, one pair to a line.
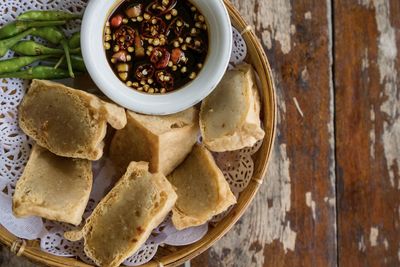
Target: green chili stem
[76,61]
[68,57]
[59,62]
[13,28]
[38,72]
[48,15]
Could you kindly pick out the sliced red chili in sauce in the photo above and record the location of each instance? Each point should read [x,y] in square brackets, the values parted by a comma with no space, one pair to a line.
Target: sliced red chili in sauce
[145,71]
[158,7]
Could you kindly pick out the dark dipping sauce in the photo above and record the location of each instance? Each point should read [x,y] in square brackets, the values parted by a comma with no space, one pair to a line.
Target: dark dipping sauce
[156,46]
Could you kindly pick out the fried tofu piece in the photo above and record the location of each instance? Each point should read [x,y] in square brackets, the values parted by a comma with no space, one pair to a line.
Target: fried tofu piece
[53,187]
[126,216]
[202,190]
[66,121]
[230,115]
[163,141]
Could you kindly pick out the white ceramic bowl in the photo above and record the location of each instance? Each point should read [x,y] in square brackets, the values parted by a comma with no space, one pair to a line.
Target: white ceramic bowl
[220,43]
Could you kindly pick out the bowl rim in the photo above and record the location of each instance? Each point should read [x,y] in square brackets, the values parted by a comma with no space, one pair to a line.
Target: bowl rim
[217,61]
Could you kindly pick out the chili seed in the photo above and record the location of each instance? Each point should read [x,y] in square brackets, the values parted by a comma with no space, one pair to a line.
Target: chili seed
[188,39]
[170,64]
[142,82]
[131,49]
[180,39]
[140,18]
[193,31]
[129,83]
[128,57]
[199,65]
[146,16]
[150,48]
[125,21]
[116,48]
[146,87]
[150,81]
[165,2]
[193,8]
[123,75]
[107,46]
[197,43]
[108,30]
[113,60]
[201,18]
[176,44]
[184,69]
[184,47]
[107,38]
[166,78]
[197,25]
[150,41]
[174,68]
[133,19]
[156,42]
[168,16]
[140,88]
[123,67]
[122,39]
[135,84]
[154,21]
[163,91]
[179,23]
[174,12]
[151,91]
[192,75]
[107,24]
[148,52]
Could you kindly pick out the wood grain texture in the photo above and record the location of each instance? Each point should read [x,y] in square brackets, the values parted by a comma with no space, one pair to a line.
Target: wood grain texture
[367,39]
[292,220]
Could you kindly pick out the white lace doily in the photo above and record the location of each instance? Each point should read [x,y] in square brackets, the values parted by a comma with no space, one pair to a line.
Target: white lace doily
[15,148]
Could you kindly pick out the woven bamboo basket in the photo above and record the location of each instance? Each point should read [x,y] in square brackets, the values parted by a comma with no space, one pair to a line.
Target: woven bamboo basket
[173,256]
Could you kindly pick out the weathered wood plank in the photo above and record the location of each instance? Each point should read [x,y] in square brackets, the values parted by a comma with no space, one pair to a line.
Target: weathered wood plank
[367,86]
[292,220]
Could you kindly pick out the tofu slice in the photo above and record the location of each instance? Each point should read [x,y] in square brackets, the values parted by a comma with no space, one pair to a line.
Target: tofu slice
[53,187]
[126,216]
[230,115]
[163,141]
[202,190]
[66,121]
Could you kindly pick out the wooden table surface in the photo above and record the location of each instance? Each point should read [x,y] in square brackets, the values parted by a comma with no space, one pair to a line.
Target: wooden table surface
[331,195]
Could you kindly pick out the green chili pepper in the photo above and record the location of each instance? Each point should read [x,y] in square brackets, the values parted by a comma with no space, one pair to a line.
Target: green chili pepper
[31,48]
[75,40]
[50,34]
[55,36]
[13,28]
[48,15]
[6,44]
[15,64]
[38,72]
